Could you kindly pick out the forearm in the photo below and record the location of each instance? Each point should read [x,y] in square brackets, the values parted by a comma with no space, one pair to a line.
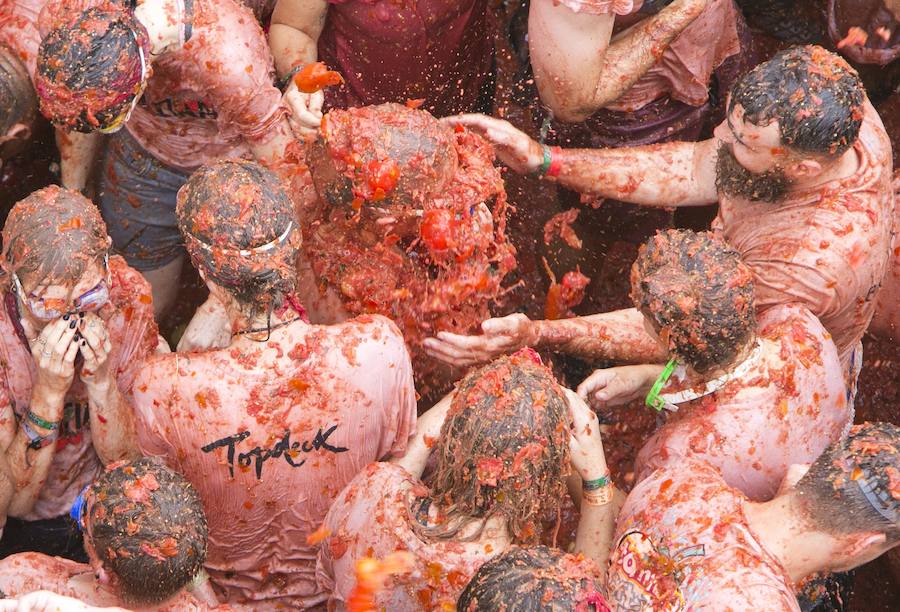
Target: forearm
[28,467]
[78,153]
[428,428]
[294,33]
[618,336]
[670,175]
[596,529]
[112,422]
[271,149]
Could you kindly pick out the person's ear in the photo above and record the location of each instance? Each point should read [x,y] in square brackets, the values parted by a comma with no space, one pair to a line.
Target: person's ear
[803,169]
[857,544]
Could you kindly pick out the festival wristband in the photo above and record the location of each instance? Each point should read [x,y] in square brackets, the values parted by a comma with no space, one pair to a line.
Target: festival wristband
[40,422]
[548,161]
[36,440]
[600,497]
[286,81]
[597,483]
[653,400]
[555,163]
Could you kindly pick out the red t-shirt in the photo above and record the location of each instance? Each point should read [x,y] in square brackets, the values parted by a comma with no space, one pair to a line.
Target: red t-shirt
[133,335]
[683,543]
[785,409]
[394,50]
[269,448]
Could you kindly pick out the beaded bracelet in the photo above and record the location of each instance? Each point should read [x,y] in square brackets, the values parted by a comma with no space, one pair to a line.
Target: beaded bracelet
[41,422]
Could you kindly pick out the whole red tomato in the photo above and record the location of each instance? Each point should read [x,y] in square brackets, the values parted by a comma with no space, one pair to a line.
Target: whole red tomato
[437,229]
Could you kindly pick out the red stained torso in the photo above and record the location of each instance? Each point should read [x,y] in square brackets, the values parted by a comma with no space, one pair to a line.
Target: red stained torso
[370,519]
[683,543]
[826,249]
[270,435]
[133,335]
[785,410]
[26,572]
[394,50]
[19,30]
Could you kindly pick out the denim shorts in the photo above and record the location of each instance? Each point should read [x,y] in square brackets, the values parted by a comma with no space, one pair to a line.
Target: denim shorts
[137,200]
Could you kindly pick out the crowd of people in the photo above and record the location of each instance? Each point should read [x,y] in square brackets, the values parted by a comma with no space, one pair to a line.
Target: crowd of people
[385,398]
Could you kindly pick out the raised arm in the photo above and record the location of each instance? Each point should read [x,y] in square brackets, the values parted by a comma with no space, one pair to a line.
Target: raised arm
[293,38]
[578,69]
[671,174]
[428,428]
[78,154]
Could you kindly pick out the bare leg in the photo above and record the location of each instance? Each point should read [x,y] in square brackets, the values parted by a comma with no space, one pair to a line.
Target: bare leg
[164,283]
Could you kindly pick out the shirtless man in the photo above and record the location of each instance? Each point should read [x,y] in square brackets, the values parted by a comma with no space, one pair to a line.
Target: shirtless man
[270,428]
[145,533]
[687,540]
[210,96]
[75,328]
[801,169]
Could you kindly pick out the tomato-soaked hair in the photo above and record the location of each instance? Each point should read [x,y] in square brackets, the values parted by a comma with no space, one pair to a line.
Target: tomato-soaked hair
[815,96]
[146,524]
[535,579]
[854,485]
[503,449]
[695,288]
[53,236]
[90,70]
[240,229]
[18,104]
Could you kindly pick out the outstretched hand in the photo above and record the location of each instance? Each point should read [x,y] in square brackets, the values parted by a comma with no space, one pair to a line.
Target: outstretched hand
[500,336]
[514,147]
[585,443]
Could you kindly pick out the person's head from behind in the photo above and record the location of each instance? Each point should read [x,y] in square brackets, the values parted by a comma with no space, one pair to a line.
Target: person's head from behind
[241,232]
[18,105]
[92,71]
[533,580]
[696,296]
[789,119]
[852,494]
[502,451]
[144,530]
[55,255]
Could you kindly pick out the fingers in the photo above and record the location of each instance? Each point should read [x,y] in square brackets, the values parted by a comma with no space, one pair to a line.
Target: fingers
[450,354]
[596,382]
[476,121]
[306,109]
[316,101]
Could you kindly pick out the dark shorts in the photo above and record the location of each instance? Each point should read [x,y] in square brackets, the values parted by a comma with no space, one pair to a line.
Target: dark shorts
[57,537]
[137,200]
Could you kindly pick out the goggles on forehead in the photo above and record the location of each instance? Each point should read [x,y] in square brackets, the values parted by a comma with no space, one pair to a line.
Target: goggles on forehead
[47,310]
[116,124]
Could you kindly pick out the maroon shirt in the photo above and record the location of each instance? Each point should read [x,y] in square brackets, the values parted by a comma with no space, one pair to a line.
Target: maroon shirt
[394,50]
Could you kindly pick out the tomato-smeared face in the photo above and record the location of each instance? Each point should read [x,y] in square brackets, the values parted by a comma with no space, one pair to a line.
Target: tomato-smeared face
[43,301]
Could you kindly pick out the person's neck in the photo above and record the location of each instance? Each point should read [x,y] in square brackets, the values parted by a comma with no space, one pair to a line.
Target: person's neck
[842,168]
[495,531]
[263,323]
[163,20]
[786,535]
[742,356]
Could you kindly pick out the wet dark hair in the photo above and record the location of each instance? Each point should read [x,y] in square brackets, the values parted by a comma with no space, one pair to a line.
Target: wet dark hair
[532,580]
[814,95]
[53,235]
[854,485]
[18,104]
[146,524]
[232,214]
[89,71]
[503,449]
[698,289]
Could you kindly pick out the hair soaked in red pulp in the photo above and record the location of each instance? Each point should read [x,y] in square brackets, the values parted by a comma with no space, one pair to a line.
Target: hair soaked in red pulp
[442,264]
[503,449]
[147,526]
[53,236]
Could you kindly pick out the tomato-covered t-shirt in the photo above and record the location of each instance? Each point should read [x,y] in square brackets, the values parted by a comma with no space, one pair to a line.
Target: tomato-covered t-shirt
[19,29]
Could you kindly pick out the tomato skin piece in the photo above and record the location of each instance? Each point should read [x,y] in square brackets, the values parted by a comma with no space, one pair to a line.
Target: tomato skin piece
[315,77]
[382,177]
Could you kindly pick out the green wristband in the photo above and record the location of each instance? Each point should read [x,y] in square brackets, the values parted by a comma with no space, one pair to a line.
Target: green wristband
[548,158]
[653,400]
[593,485]
[41,422]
